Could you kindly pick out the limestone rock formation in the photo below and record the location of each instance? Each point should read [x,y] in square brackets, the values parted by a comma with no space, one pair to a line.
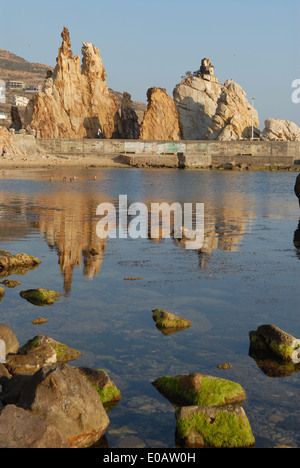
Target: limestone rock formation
[196,98]
[161,117]
[75,100]
[234,115]
[129,119]
[276,129]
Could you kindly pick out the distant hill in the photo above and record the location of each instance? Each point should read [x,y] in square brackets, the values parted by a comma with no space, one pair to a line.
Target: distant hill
[16,68]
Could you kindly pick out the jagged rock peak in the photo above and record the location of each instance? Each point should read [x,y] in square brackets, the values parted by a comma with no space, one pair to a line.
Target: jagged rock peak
[66,44]
[75,101]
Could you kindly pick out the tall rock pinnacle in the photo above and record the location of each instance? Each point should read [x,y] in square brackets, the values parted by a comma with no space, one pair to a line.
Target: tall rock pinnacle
[75,100]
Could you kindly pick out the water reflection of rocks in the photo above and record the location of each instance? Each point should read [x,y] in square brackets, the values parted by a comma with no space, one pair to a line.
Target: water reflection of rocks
[67,219]
[71,231]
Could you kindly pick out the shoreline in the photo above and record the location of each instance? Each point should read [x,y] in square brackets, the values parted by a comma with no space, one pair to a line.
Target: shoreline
[50,162]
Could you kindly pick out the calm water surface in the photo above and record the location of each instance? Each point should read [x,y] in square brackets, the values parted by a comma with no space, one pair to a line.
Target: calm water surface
[246,275]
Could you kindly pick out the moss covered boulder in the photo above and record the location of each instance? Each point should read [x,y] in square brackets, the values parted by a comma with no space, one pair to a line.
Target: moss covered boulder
[106,388]
[40,297]
[270,340]
[214,426]
[199,390]
[169,323]
[39,352]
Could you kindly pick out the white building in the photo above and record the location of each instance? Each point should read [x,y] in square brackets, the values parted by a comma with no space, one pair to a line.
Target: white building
[2,92]
[20,101]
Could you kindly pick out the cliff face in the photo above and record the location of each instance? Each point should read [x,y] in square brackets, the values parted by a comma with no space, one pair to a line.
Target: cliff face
[234,115]
[161,117]
[280,130]
[75,100]
[196,99]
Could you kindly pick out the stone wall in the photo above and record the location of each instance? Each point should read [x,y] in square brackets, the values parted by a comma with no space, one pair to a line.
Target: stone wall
[216,149]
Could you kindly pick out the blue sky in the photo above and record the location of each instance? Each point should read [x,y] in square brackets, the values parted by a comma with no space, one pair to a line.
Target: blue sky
[146,43]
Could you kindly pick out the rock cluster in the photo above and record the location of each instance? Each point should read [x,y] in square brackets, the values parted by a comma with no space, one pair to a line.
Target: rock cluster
[234,116]
[208,412]
[196,99]
[75,101]
[280,130]
[46,403]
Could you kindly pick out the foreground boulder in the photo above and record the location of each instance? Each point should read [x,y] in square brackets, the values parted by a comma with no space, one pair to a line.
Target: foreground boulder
[214,426]
[22,429]
[199,390]
[169,323]
[60,396]
[40,297]
[38,352]
[269,339]
[10,264]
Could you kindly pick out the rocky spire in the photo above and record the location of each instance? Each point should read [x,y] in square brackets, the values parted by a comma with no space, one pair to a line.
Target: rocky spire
[75,101]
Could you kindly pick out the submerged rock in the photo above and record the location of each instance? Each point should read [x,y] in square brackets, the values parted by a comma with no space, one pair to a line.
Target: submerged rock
[269,339]
[13,263]
[214,426]
[199,390]
[40,297]
[10,283]
[169,323]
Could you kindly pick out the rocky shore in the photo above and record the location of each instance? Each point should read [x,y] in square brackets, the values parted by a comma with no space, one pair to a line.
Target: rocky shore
[45,402]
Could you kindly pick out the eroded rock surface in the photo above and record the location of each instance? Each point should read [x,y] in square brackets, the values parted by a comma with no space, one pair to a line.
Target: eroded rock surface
[280,130]
[75,101]
[161,120]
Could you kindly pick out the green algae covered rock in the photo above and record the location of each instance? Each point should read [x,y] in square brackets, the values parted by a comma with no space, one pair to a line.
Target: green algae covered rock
[169,323]
[271,340]
[214,426]
[107,390]
[199,390]
[40,297]
[39,352]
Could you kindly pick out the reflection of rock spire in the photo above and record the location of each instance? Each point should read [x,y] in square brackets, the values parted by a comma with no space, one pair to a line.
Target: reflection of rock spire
[71,230]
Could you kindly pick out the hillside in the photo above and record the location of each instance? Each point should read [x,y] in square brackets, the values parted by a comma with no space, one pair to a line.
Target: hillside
[15,68]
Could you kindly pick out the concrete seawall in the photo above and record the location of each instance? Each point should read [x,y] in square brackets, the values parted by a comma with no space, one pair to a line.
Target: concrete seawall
[170,153]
